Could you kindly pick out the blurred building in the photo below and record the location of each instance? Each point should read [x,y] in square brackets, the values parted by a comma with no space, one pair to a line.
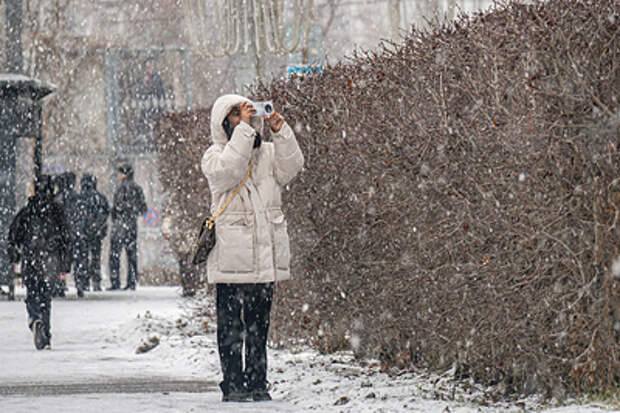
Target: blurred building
[96,52]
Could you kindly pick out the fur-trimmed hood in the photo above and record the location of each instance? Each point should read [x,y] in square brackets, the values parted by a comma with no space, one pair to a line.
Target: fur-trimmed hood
[221,109]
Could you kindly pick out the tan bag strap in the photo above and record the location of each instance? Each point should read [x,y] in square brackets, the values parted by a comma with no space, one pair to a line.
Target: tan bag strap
[209,222]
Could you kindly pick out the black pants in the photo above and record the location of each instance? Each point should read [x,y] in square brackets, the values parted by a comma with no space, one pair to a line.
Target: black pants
[90,263]
[243,321]
[37,274]
[56,285]
[124,239]
[77,262]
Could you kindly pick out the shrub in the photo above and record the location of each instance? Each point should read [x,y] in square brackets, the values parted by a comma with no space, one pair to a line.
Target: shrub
[460,200]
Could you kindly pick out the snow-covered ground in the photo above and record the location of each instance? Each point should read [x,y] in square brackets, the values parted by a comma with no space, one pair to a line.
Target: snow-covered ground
[95,343]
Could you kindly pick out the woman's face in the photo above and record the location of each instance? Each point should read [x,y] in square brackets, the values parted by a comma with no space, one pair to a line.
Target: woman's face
[234,116]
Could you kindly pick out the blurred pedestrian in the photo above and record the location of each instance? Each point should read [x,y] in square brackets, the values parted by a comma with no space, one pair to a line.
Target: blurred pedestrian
[128,205]
[74,211]
[252,248]
[58,182]
[94,230]
[40,249]
[58,286]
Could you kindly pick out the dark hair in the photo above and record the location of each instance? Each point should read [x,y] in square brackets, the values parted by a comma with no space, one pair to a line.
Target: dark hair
[125,169]
[229,131]
[227,128]
[43,185]
[257,140]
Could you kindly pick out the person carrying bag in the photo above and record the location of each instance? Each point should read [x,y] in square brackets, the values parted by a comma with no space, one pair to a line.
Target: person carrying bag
[252,250]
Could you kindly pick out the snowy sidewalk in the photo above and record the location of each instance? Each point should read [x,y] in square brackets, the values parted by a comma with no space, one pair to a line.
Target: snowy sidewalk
[93,367]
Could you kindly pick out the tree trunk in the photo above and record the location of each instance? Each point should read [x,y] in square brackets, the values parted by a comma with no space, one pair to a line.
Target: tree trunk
[188,273]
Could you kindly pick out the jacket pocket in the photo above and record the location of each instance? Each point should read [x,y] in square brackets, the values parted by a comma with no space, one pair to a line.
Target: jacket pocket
[235,244]
[282,249]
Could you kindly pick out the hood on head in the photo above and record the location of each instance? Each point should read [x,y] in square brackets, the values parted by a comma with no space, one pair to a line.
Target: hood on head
[220,110]
[88,182]
[68,180]
[127,170]
[43,186]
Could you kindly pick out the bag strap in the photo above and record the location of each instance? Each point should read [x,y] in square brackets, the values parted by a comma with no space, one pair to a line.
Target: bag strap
[211,220]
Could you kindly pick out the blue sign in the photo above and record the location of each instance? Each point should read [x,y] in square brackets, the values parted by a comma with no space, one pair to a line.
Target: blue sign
[302,70]
[151,218]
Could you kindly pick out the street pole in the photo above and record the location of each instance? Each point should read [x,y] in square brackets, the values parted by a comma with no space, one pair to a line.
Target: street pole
[20,117]
[13,64]
[14,59]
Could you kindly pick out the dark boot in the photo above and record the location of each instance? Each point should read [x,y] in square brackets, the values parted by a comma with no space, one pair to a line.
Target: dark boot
[40,338]
[261,396]
[96,286]
[232,393]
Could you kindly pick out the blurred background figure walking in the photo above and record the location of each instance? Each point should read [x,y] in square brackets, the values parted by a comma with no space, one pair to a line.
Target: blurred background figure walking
[93,230]
[128,205]
[70,202]
[40,249]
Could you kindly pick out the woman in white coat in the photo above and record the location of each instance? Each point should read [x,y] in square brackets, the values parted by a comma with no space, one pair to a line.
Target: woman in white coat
[252,248]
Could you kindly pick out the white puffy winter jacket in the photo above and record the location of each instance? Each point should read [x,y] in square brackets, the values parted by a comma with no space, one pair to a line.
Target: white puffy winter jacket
[252,240]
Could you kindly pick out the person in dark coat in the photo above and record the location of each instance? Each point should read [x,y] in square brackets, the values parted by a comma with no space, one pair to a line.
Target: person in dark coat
[74,212]
[59,185]
[128,205]
[95,227]
[40,242]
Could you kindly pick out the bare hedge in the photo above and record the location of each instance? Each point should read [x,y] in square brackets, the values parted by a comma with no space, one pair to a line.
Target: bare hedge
[460,200]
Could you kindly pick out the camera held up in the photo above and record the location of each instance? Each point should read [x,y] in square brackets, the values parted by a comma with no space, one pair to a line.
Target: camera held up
[263,108]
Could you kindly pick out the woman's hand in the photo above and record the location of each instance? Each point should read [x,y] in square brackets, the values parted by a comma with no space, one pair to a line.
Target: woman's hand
[275,121]
[247,110]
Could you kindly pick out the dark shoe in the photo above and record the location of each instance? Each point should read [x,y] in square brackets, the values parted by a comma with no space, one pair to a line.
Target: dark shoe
[80,293]
[261,396]
[40,338]
[238,393]
[237,396]
[96,287]
[129,287]
[188,293]
[113,288]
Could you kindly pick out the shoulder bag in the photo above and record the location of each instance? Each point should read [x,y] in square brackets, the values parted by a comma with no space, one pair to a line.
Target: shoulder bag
[206,235]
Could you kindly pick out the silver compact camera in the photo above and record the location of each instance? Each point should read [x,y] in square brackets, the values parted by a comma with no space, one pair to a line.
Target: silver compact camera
[263,108]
